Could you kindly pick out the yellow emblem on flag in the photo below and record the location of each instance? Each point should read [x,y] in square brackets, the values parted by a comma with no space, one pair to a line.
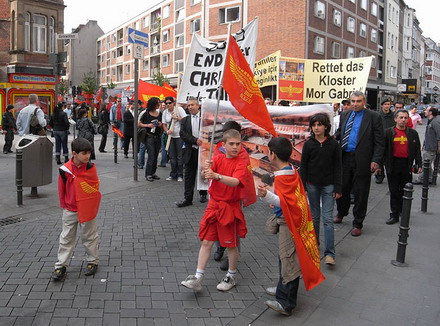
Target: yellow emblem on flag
[248,82]
[89,189]
[291,90]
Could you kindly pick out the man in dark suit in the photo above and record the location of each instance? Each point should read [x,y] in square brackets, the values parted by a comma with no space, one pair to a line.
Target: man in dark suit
[190,135]
[361,137]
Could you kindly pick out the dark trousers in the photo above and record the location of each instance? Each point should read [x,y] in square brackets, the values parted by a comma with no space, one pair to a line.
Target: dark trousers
[152,144]
[401,175]
[120,126]
[175,154]
[286,294]
[103,142]
[190,176]
[9,138]
[61,141]
[359,185]
[127,140]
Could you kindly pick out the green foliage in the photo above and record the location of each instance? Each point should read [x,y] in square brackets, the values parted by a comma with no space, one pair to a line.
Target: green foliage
[89,84]
[111,85]
[63,87]
[159,78]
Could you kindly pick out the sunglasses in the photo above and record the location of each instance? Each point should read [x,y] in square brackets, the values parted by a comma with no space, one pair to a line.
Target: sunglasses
[168,103]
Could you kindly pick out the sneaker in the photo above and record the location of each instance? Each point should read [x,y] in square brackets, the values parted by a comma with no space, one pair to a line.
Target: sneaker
[140,166]
[180,179]
[170,179]
[91,269]
[59,273]
[275,305]
[149,178]
[271,290]
[226,284]
[192,282]
[329,260]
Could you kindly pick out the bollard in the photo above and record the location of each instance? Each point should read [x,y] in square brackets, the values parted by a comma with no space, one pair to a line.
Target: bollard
[115,155]
[404,226]
[425,186]
[435,172]
[19,176]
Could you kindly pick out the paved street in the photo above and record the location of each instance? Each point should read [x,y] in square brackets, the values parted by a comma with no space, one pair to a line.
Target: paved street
[148,246]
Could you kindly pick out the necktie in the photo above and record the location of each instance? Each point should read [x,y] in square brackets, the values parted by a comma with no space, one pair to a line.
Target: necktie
[347,131]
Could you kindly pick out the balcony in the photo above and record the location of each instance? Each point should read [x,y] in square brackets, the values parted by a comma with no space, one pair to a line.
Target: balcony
[155,49]
[120,42]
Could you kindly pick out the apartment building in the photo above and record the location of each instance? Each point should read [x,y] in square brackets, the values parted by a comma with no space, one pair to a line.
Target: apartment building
[432,71]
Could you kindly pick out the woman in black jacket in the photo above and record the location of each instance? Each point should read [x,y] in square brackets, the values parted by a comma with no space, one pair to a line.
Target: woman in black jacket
[104,124]
[86,128]
[60,126]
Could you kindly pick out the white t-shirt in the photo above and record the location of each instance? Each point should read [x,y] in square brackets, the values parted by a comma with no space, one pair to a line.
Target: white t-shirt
[167,118]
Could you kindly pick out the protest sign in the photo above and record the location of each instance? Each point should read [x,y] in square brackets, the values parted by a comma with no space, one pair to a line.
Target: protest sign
[204,66]
[266,70]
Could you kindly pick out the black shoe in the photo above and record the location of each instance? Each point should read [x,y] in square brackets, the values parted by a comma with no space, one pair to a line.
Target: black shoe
[224,265]
[219,253]
[184,203]
[150,178]
[203,199]
[392,220]
[155,177]
[125,155]
[417,182]
[91,269]
[5,153]
[59,273]
[162,165]
[103,151]
[10,151]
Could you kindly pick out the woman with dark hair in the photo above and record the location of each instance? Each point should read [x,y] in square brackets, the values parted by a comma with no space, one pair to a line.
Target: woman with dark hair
[151,120]
[86,128]
[104,123]
[321,173]
[60,126]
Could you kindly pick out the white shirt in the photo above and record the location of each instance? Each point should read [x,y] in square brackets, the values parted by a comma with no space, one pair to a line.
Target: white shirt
[167,118]
[24,118]
[195,126]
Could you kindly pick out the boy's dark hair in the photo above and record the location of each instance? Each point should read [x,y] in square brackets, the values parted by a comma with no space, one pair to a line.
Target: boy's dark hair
[434,111]
[282,147]
[231,133]
[323,119]
[231,124]
[385,101]
[169,98]
[400,111]
[81,112]
[81,145]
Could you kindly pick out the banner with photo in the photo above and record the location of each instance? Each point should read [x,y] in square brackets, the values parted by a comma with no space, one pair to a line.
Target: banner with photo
[204,65]
[322,81]
[289,122]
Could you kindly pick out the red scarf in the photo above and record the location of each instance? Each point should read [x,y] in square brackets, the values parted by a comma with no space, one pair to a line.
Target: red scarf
[119,113]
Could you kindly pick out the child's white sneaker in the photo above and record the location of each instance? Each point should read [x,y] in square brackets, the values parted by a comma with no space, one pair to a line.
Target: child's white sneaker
[192,282]
[226,284]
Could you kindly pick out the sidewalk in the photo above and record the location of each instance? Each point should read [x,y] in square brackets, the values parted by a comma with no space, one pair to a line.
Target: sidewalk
[148,246]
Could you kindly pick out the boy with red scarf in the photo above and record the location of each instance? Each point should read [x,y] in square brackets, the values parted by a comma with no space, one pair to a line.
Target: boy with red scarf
[78,191]
[223,220]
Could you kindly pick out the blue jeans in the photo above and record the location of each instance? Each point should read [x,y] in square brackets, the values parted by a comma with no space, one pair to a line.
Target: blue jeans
[61,140]
[163,152]
[141,155]
[323,196]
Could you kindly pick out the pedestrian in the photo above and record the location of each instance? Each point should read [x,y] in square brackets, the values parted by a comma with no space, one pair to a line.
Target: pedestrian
[387,116]
[431,145]
[290,210]
[128,128]
[103,127]
[321,174]
[171,118]
[151,120]
[360,135]
[8,127]
[190,134]
[402,149]
[163,141]
[223,219]
[117,119]
[86,128]
[142,134]
[80,205]
[25,115]
[415,117]
[60,127]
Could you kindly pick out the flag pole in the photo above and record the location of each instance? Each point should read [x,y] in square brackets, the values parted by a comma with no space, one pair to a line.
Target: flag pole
[220,90]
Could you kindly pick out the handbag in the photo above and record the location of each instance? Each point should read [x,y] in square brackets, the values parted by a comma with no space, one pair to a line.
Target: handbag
[272,225]
[34,125]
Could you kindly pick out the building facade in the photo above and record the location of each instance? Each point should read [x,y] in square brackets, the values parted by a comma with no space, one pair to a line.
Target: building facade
[432,71]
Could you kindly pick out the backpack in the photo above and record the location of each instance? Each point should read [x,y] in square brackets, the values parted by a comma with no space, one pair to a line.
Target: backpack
[34,126]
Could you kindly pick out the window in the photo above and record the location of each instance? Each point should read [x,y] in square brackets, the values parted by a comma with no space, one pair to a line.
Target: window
[408,20]
[39,34]
[407,42]
[166,12]
[114,37]
[166,36]
[128,50]
[318,45]
[180,14]
[136,25]
[374,8]
[165,60]
[27,32]
[337,17]
[145,22]
[364,4]
[336,50]
[113,72]
[319,9]
[145,65]
[194,2]
[373,35]
[392,42]
[351,24]
[229,15]
[179,41]
[373,62]
[393,71]
[195,25]
[127,69]
[362,54]
[350,52]
[179,65]
[52,35]
[363,30]
[113,54]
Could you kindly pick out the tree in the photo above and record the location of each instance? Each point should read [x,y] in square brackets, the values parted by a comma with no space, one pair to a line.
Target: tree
[89,84]
[159,78]
[63,87]
[111,85]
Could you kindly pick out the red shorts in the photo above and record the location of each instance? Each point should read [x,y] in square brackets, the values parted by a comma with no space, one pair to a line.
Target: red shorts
[227,235]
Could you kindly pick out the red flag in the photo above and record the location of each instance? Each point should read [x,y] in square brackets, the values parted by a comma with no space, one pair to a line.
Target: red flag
[169,87]
[147,90]
[117,132]
[128,89]
[99,95]
[298,218]
[243,90]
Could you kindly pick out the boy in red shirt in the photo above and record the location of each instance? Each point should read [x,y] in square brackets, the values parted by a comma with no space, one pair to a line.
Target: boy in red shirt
[78,191]
[223,219]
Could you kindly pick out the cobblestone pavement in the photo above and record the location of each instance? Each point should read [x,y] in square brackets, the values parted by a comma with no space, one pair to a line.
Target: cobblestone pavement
[148,246]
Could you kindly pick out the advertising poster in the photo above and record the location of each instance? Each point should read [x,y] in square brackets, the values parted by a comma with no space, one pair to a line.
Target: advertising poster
[289,122]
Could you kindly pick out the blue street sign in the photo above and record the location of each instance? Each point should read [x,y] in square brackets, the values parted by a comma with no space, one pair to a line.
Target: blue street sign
[138,37]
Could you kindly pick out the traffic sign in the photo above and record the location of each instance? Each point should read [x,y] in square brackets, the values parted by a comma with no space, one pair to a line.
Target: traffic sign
[138,52]
[435,89]
[435,95]
[138,37]
[71,36]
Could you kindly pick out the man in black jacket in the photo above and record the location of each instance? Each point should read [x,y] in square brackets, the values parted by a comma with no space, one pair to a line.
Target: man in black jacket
[402,148]
[8,126]
[190,134]
[361,137]
[388,121]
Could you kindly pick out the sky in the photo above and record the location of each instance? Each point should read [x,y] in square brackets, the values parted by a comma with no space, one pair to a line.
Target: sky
[112,13]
